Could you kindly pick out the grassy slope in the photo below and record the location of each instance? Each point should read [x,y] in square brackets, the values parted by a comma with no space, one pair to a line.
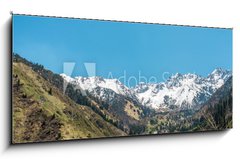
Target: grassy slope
[132,110]
[41,116]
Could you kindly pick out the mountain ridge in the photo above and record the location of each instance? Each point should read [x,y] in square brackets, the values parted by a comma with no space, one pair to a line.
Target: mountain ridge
[180,90]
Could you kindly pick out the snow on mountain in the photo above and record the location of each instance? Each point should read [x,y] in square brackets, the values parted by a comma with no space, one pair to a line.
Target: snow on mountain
[100,87]
[182,91]
[218,77]
[179,91]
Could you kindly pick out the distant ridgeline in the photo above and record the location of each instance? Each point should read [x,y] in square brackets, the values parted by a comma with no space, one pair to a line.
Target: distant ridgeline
[42,112]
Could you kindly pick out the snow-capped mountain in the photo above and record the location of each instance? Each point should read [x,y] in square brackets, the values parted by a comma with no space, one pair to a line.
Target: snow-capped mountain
[104,89]
[179,91]
[182,91]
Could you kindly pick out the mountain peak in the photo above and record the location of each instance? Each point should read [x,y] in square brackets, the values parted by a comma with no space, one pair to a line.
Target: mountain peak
[93,83]
[176,76]
[219,74]
[219,71]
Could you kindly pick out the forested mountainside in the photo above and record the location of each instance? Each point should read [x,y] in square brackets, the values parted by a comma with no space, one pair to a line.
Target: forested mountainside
[44,111]
[123,112]
[216,113]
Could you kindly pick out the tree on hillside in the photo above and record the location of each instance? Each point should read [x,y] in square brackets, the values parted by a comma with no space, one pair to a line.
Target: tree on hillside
[50,91]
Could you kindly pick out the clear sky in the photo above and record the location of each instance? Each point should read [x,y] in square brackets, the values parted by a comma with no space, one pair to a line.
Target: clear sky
[119,46]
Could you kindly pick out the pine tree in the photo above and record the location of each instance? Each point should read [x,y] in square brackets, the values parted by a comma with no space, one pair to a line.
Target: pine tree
[50,91]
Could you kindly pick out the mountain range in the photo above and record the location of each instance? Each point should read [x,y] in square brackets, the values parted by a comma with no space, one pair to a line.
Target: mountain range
[181,91]
[53,107]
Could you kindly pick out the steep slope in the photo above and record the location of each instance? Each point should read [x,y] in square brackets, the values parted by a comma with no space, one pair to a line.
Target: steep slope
[42,113]
[216,113]
[122,112]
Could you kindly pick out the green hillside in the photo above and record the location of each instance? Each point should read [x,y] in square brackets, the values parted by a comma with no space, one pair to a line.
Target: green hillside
[42,113]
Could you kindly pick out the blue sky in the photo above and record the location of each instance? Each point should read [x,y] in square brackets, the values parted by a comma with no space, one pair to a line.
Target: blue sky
[118,46]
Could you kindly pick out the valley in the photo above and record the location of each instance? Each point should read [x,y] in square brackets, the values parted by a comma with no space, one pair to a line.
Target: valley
[45,110]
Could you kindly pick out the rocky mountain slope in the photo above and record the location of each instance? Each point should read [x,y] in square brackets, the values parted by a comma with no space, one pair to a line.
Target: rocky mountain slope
[179,91]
